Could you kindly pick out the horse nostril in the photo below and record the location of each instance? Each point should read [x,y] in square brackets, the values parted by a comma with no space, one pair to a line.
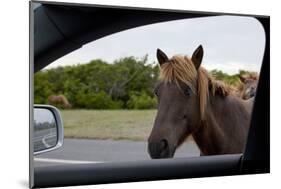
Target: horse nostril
[163,144]
[159,149]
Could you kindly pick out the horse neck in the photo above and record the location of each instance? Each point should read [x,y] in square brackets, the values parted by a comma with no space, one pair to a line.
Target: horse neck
[224,128]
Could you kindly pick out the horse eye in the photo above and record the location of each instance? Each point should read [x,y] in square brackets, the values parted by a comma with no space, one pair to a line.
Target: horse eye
[187,91]
[156,91]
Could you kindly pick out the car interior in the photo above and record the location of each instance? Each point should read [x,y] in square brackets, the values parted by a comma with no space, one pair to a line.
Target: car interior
[56,30]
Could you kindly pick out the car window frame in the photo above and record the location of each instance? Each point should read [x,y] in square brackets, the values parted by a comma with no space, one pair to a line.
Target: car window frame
[253,160]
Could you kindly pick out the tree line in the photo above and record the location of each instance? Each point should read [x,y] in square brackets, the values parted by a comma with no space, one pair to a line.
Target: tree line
[127,83]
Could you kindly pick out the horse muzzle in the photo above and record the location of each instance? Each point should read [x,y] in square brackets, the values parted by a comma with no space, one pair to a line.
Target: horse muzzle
[160,149]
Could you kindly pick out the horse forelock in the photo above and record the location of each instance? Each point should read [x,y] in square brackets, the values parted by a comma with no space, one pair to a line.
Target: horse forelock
[181,69]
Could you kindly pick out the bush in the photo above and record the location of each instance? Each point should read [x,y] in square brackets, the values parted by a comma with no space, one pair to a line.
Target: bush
[126,84]
[141,101]
[232,80]
[98,84]
[42,88]
[98,100]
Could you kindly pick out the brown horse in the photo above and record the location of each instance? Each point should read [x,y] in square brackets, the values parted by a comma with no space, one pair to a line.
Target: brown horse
[191,102]
[248,86]
[59,101]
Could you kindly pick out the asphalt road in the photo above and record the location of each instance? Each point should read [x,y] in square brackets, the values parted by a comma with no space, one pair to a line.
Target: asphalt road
[44,138]
[78,151]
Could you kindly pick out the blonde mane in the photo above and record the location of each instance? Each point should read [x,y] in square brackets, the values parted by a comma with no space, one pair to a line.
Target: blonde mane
[181,69]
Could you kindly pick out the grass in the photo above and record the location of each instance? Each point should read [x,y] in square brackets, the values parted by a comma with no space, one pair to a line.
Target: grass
[108,124]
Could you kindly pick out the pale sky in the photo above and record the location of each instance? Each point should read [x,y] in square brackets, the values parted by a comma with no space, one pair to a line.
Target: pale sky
[230,43]
[43,115]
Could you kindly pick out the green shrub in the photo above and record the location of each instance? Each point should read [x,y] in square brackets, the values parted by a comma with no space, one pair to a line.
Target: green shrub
[98,100]
[127,83]
[141,101]
[42,88]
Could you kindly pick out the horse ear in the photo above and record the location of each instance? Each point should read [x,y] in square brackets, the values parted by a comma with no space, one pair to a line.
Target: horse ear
[197,56]
[242,78]
[254,76]
[161,57]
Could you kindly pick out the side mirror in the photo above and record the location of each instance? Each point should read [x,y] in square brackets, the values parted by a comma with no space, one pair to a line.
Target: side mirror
[47,129]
